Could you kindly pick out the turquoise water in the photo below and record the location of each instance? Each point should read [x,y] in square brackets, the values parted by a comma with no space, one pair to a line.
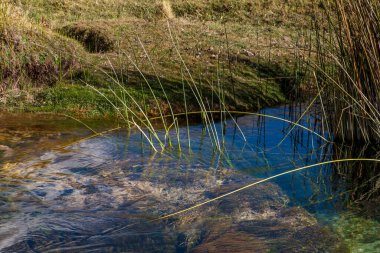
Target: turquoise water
[105,193]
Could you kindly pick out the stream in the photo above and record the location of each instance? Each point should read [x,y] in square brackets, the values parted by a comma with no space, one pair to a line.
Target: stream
[61,191]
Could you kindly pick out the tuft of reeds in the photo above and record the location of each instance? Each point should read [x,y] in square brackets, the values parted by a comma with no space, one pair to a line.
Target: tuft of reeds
[349,52]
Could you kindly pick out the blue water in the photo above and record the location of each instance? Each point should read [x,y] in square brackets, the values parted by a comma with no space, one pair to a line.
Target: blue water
[99,194]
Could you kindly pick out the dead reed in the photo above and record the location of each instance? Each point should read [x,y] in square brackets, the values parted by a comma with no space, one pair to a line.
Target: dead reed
[349,61]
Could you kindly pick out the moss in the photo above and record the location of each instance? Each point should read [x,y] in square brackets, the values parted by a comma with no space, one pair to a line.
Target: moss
[82,100]
[72,99]
[360,234]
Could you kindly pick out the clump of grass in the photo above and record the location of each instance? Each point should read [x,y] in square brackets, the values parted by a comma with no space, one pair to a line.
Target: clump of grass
[167,9]
[352,69]
[30,54]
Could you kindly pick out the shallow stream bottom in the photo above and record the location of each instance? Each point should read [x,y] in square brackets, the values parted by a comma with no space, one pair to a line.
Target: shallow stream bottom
[105,194]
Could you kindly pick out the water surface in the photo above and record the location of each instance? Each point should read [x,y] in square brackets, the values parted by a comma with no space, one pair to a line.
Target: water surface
[104,194]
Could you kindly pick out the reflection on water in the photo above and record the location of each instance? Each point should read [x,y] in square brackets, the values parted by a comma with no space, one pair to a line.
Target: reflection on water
[362,178]
[25,135]
[101,194]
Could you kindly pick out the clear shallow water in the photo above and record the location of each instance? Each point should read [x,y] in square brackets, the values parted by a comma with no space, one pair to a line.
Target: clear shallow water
[101,194]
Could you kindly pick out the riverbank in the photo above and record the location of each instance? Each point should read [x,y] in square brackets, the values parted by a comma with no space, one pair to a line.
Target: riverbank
[120,54]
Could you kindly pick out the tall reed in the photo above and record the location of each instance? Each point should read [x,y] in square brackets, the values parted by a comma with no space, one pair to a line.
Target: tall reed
[349,60]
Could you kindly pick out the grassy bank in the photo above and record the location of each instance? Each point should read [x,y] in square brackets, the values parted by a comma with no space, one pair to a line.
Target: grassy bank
[63,56]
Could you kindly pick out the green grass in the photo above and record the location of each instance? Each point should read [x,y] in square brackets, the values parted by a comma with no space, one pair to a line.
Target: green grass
[63,42]
[73,98]
[262,12]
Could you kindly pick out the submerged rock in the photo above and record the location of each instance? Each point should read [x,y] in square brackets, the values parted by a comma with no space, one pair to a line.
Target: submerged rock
[233,242]
[261,217]
[109,206]
[361,234]
[5,151]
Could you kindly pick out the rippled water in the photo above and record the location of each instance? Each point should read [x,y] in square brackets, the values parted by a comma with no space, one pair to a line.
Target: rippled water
[104,194]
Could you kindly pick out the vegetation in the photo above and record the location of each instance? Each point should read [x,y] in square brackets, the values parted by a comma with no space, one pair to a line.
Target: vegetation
[163,57]
[349,59]
[164,61]
[31,55]
[254,61]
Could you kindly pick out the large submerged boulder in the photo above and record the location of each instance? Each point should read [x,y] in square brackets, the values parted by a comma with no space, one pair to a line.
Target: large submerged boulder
[115,206]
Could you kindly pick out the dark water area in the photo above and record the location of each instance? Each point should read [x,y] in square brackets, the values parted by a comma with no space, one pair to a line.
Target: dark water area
[105,194]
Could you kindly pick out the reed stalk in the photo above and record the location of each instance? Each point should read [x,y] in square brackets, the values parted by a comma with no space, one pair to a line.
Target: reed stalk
[352,68]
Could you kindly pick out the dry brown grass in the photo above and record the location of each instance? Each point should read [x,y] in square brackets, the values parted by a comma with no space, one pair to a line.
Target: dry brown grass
[167,9]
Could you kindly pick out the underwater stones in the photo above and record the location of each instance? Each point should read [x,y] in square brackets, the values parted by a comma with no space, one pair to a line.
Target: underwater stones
[296,217]
[94,36]
[290,230]
[315,238]
[257,219]
[9,234]
[360,233]
[5,151]
[232,242]
[118,208]
[293,230]
[260,200]
[83,171]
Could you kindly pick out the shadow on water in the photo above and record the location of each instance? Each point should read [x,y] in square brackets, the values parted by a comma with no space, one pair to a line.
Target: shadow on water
[361,179]
[101,194]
